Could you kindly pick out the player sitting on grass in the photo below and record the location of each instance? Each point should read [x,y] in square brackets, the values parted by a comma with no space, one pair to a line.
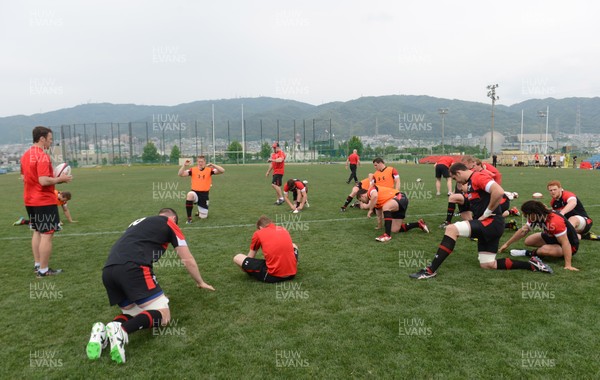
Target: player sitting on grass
[484,196]
[131,284]
[557,239]
[569,205]
[393,205]
[281,254]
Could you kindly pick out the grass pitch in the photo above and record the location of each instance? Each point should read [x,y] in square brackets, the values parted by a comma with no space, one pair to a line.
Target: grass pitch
[351,312]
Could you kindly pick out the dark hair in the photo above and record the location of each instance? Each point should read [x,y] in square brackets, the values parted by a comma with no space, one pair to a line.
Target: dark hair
[263,221]
[66,195]
[167,211]
[291,184]
[39,132]
[378,160]
[537,209]
[455,167]
[360,193]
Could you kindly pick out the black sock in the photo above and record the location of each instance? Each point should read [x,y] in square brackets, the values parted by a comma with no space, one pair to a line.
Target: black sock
[408,226]
[387,222]
[348,200]
[144,320]
[189,206]
[530,253]
[509,264]
[444,250]
[450,212]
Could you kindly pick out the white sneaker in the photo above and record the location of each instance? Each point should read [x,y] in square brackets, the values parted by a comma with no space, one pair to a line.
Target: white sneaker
[518,252]
[118,338]
[97,342]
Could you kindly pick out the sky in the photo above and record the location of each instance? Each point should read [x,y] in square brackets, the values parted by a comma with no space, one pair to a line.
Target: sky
[60,54]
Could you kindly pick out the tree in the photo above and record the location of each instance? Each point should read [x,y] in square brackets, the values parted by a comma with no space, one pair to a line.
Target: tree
[355,143]
[234,150]
[150,153]
[175,154]
[265,151]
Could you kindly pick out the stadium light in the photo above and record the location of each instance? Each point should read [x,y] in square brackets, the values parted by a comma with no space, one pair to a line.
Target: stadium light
[492,95]
[443,112]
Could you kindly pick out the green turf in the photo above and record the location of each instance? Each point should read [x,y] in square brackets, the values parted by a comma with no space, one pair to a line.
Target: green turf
[352,311]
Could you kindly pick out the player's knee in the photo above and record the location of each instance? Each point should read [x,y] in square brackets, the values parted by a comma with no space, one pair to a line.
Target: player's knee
[190,196]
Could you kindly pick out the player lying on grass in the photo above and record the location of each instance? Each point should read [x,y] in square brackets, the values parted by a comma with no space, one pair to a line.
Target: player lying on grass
[557,239]
[484,196]
[393,205]
[281,254]
[131,284]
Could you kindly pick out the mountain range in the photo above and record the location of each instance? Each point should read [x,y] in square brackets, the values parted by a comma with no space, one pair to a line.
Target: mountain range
[402,116]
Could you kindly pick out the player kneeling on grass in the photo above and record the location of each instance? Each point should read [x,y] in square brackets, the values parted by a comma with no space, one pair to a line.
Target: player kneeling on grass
[201,184]
[484,196]
[393,205]
[557,239]
[281,254]
[131,284]
[299,190]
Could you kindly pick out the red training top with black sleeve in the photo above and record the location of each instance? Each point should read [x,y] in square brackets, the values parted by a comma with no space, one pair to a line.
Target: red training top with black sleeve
[478,193]
[496,175]
[35,163]
[145,241]
[445,160]
[278,167]
[556,225]
[298,185]
[276,244]
[561,202]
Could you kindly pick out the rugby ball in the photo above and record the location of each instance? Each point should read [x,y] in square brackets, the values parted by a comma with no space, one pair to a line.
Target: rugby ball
[537,195]
[60,169]
[419,179]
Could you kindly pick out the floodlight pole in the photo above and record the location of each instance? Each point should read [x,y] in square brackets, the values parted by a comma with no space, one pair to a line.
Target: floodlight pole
[542,114]
[443,112]
[492,95]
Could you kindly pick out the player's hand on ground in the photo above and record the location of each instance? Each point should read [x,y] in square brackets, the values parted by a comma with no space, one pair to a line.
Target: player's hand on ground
[504,246]
[572,268]
[204,285]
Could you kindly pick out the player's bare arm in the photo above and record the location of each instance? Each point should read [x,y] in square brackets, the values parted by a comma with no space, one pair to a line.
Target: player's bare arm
[518,235]
[186,257]
[182,170]
[219,169]
[565,245]
[496,193]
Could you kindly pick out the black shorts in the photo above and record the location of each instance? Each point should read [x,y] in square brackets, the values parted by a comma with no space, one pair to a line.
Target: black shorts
[257,268]
[488,233]
[296,193]
[43,219]
[505,206]
[553,240]
[465,206]
[202,198]
[277,178]
[441,170]
[402,207]
[130,283]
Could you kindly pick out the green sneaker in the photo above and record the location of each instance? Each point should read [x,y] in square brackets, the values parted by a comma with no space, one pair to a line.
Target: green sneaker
[98,341]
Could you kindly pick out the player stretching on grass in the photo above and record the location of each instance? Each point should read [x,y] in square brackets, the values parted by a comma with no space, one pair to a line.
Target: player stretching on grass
[557,239]
[201,183]
[484,196]
[393,205]
[130,282]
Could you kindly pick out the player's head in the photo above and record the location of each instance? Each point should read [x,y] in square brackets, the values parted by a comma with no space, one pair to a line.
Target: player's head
[469,161]
[555,189]
[355,151]
[535,211]
[275,146]
[262,222]
[460,172]
[378,163]
[43,135]
[65,196]
[291,184]
[169,213]
[201,161]
[361,195]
